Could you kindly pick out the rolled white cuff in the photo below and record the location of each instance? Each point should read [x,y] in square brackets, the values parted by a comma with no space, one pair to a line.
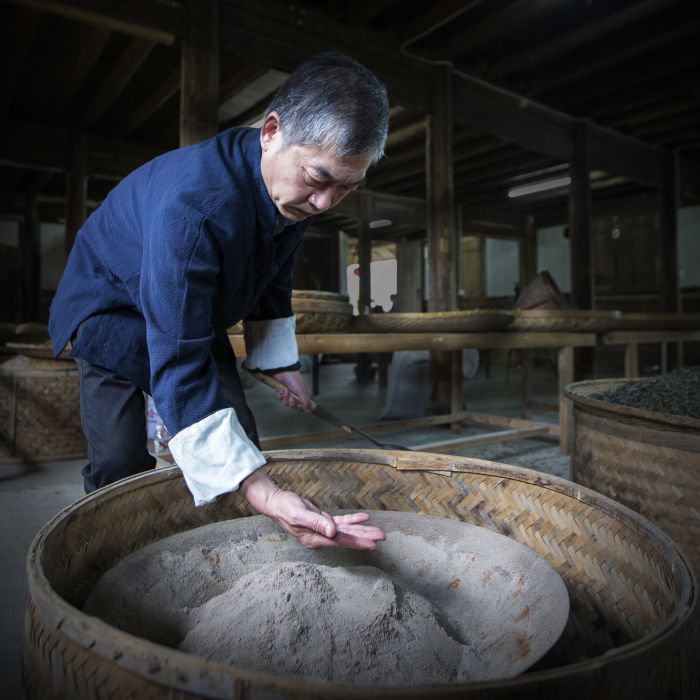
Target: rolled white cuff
[215,455]
[270,344]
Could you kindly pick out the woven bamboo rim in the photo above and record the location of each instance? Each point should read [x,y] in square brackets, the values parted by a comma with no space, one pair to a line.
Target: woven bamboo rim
[466,321]
[39,350]
[607,555]
[321,306]
[310,322]
[566,320]
[599,320]
[587,394]
[23,366]
[319,295]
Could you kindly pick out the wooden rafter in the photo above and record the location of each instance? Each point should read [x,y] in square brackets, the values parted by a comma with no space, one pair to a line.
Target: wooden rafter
[88,52]
[123,70]
[16,54]
[261,31]
[161,22]
[543,50]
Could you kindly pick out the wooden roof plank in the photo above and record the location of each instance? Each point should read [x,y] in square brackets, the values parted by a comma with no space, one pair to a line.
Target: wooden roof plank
[112,86]
[587,32]
[89,51]
[159,22]
[17,51]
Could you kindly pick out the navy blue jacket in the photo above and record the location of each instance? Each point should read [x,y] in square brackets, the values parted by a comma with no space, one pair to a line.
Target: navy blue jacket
[178,252]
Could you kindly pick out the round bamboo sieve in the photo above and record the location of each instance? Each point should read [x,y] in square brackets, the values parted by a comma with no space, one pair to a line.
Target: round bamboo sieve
[632,595]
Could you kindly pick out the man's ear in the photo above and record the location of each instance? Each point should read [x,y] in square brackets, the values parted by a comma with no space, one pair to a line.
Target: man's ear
[270,134]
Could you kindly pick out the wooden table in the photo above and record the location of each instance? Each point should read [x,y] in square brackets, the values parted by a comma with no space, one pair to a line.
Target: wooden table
[310,344]
[632,339]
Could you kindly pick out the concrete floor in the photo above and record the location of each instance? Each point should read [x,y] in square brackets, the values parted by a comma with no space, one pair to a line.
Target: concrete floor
[29,497]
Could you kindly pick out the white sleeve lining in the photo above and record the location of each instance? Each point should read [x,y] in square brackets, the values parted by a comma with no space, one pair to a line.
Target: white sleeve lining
[270,344]
[215,455]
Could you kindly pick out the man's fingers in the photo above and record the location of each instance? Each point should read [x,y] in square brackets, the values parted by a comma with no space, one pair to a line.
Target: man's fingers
[316,521]
[351,518]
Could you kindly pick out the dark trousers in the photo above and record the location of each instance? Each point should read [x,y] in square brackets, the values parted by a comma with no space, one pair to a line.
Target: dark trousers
[113,416]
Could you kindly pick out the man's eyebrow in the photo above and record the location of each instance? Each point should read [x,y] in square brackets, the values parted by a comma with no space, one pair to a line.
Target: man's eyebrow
[325,175]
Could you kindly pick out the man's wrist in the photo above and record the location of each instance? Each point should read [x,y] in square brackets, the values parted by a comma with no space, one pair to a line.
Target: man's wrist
[259,490]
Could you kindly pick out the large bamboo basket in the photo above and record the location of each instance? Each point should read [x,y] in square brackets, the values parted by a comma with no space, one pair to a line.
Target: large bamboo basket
[632,594]
[647,460]
[40,410]
[317,312]
[599,321]
[466,321]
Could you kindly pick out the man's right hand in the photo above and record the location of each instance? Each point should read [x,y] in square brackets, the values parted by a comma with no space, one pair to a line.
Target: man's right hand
[301,519]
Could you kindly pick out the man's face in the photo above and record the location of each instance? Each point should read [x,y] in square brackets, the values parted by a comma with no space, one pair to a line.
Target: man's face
[306,180]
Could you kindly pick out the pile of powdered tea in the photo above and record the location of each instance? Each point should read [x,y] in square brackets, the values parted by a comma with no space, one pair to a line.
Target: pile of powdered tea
[676,393]
[343,624]
[438,602]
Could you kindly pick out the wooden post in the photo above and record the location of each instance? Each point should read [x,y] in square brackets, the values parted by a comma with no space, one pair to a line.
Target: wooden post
[456,398]
[632,360]
[582,290]
[409,273]
[528,252]
[364,253]
[199,81]
[76,187]
[566,409]
[527,382]
[668,241]
[30,252]
[364,259]
[582,285]
[442,227]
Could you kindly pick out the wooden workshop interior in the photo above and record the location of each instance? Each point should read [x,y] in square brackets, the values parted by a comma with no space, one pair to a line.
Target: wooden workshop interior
[538,204]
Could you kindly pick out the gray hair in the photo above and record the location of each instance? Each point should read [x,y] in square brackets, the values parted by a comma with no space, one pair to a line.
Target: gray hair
[333,101]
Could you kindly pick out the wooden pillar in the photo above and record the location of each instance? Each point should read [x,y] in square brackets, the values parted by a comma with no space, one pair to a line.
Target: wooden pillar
[528,252]
[30,252]
[670,287]
[364,253]
[76,187]
[582,284]
[582,289]
[409,275]
[440,195]
[442,229]
[199,81]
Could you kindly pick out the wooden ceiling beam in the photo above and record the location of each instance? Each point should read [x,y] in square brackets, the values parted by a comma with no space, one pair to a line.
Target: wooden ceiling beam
[123,70]
[564,42]
[261,31]
[161,22]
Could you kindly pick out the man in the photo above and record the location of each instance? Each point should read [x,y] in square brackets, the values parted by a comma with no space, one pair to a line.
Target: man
[186,246]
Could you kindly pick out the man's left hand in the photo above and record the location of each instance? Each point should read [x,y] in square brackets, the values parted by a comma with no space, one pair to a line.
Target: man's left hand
[295,393]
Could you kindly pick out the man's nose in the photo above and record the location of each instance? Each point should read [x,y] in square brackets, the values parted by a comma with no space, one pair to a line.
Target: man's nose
[324,199]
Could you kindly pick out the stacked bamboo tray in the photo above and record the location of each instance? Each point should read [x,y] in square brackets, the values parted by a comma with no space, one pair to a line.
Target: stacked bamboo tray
[632,594]
[648,460]
[40,410]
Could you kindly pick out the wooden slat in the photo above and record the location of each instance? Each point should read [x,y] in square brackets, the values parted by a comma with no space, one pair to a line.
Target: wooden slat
[461,443]
[654,336]
[503,421]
